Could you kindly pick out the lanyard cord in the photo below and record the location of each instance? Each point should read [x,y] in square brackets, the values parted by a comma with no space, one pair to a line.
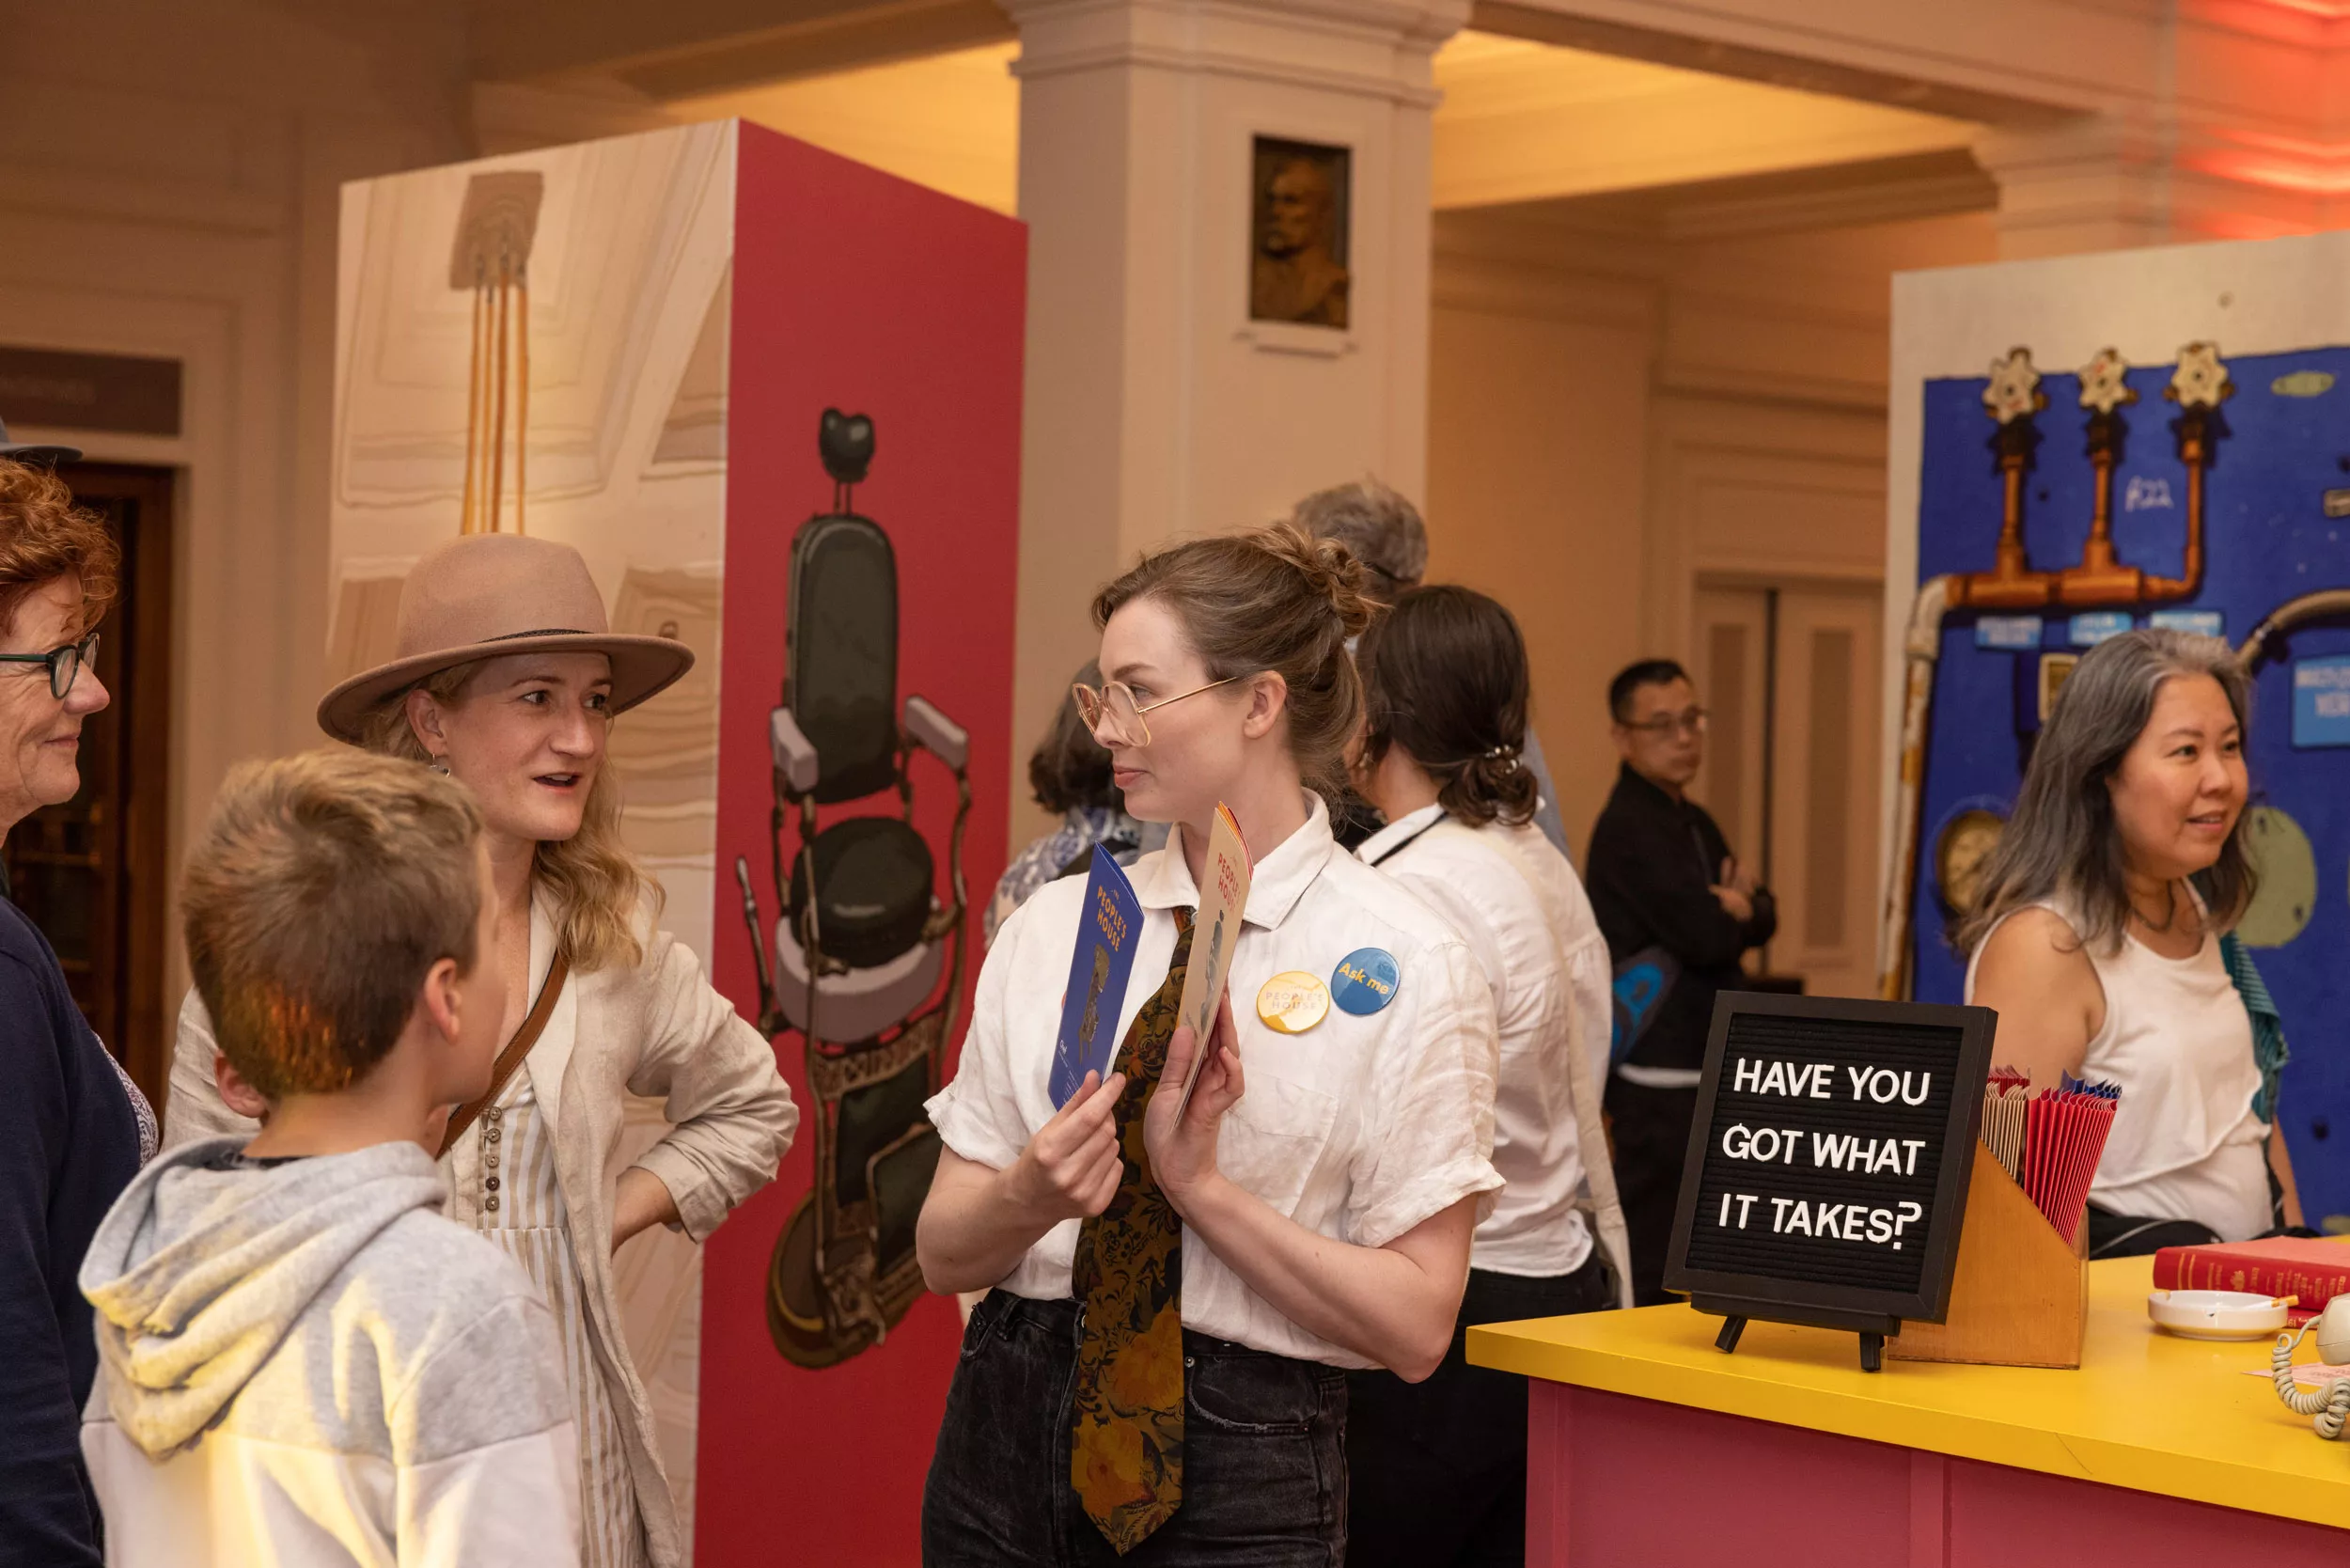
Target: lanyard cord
[1400,846]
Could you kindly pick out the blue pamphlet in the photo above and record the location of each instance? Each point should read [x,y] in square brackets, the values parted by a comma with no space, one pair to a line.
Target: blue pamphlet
[1098,971]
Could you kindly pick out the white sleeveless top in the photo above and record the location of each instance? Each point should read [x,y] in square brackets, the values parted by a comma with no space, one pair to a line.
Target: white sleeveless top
[2186,1143]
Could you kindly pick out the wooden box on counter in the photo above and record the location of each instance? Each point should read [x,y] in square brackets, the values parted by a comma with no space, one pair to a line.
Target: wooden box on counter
[2020,1297]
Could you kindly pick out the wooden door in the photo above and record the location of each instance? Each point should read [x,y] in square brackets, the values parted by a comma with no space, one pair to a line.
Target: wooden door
[93,872]
[1730,671]
[1788,674]
[1825,789]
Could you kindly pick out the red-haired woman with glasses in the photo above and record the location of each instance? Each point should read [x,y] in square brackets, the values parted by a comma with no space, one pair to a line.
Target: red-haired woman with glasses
[73,1129]
[1158,1373]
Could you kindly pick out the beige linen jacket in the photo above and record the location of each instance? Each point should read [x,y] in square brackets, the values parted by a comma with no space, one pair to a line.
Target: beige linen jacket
[659,1030]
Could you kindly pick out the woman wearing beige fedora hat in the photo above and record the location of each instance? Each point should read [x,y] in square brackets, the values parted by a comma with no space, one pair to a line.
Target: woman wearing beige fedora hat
[508,679]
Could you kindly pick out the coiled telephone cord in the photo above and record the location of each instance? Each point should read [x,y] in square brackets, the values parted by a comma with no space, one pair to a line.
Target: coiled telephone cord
[2331,1405]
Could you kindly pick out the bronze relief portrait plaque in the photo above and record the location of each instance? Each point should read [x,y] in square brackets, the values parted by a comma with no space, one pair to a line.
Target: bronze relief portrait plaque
[1297,261]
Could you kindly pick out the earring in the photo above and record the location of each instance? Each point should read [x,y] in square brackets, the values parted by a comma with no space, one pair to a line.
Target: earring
[439,766]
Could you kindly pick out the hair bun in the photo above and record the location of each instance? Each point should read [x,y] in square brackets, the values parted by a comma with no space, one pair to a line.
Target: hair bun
[1271,599]
[1330,569]
[1502,783]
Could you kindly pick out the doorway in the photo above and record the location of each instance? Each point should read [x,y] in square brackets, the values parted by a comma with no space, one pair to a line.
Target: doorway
[93,872]
[1789,673]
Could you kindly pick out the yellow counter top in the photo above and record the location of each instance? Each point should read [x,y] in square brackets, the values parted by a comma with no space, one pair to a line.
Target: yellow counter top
[2146,1409]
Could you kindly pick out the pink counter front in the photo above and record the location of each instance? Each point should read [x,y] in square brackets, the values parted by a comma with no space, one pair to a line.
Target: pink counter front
[1649,1446]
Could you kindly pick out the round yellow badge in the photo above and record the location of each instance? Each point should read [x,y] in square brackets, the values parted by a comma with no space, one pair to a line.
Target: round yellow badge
[1293,1002]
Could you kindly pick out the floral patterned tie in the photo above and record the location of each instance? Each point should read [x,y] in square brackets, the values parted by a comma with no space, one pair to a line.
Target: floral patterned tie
[1126,1447]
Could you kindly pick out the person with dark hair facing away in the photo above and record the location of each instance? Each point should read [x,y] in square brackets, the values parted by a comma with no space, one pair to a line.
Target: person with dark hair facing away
[1382,530]
[1679,909]
[1437,1469]
[2100,939]
[1177,1291]
[1068,772]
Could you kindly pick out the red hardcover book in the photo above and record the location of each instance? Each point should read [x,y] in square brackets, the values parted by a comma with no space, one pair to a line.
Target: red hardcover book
[2315,1268]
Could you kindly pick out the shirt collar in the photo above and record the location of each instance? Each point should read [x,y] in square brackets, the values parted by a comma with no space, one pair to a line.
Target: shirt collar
[1628,776]
[1163,880]
[1387,838]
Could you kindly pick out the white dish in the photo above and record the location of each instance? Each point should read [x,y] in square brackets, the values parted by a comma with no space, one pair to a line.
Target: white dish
[2216,1314]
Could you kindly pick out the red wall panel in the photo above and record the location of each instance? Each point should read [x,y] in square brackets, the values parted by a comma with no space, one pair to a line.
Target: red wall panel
[858,290]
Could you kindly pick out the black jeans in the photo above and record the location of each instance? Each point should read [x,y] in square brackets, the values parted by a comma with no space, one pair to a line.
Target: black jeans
[1265,1455]
[1438,1468]
[1650,1128]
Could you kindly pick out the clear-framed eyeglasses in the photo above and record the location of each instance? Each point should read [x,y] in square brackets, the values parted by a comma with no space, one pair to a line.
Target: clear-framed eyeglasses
[65,664]
[1116,717]
[1664,726]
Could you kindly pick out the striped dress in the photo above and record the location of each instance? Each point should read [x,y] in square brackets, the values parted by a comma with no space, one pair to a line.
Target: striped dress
[502,1183]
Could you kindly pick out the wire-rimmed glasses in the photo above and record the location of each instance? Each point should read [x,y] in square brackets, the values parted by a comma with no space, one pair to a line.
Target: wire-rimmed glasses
[1114,710]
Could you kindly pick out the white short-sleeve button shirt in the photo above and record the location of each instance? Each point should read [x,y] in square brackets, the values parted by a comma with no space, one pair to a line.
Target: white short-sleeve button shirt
[1358,1129]
[1542,952]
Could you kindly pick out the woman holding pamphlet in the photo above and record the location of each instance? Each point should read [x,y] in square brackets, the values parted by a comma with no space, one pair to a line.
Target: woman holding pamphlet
[1180,1284]
[1438,1468]
[2099,939]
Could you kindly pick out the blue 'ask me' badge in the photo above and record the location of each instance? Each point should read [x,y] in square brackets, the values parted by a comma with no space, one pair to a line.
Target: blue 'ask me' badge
[1365,980]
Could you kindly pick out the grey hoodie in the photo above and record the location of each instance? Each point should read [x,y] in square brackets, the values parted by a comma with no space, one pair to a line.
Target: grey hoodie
[305,1363]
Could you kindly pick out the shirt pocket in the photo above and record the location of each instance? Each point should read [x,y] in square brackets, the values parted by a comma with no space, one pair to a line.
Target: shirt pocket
[1273,1137]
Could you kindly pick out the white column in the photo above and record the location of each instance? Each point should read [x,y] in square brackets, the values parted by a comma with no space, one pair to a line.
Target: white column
[1156,406]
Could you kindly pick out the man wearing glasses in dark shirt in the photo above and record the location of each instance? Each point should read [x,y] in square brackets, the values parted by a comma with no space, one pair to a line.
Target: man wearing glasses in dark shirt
[1678,910]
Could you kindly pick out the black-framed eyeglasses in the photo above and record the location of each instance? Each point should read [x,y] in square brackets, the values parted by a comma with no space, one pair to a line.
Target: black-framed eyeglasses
[65,664]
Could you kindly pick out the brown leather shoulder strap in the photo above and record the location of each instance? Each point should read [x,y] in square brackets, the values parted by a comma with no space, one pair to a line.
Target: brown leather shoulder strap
[511,1058]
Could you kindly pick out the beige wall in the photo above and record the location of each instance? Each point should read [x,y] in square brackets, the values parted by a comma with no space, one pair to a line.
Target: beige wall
[950,121]
[168,186]
[1535,483]
[1619,417]
[1607,374]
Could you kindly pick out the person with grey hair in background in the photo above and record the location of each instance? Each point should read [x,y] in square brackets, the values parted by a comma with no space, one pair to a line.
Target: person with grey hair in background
[1382,530]
[1378,527]
[2100,938]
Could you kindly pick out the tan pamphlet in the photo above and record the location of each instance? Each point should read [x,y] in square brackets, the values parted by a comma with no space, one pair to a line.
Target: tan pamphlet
[1223,898]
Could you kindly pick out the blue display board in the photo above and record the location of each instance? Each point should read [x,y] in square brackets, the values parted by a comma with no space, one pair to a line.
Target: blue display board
[2279,481]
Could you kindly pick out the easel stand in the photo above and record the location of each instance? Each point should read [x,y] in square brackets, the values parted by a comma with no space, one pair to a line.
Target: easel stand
[1876,1330]
[2020,1297]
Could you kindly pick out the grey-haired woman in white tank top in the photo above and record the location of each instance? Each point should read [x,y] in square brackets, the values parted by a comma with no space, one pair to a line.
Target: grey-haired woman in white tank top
[2095,935]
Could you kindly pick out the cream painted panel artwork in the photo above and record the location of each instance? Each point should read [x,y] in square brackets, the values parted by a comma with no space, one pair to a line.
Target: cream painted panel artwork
[614,377]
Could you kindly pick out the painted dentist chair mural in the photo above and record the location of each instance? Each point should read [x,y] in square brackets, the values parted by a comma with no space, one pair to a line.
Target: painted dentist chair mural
[864,939]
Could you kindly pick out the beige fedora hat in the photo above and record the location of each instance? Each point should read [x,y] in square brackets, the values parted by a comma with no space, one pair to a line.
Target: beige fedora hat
[486,596]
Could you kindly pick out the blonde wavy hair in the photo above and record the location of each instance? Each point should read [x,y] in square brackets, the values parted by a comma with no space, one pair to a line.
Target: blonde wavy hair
[595,882]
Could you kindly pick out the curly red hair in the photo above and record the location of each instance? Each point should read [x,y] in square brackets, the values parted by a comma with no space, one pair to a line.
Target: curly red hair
[44,536]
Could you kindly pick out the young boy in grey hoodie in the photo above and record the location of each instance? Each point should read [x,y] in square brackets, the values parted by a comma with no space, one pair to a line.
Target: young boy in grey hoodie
[300,1360]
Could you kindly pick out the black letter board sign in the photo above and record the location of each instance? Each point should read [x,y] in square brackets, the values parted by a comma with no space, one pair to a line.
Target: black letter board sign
[1826,1175]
